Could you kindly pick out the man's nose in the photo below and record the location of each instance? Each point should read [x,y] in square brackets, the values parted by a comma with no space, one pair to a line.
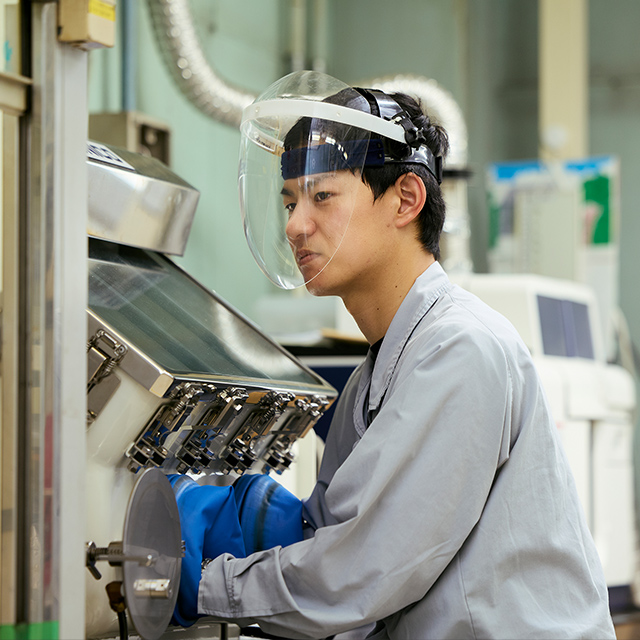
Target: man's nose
[301,221]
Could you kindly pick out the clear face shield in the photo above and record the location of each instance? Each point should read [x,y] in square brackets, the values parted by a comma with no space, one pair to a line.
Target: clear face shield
[299,161]
[305,142]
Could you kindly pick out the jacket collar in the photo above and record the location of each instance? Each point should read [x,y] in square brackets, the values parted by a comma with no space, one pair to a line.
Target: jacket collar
[427,288]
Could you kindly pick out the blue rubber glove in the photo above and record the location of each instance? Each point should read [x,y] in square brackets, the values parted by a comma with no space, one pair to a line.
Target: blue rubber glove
[270,516]
[210,527]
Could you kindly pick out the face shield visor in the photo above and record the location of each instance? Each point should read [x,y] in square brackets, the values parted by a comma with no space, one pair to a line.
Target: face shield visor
[300,160]
[304,144]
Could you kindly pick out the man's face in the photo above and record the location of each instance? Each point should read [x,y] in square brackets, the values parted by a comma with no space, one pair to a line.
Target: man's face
[333,229]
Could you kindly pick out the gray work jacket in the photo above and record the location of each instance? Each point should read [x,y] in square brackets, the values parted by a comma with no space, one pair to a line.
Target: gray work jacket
[444,508]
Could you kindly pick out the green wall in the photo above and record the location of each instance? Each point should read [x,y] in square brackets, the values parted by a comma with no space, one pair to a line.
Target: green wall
[243,41]
[371,38]
[614,127]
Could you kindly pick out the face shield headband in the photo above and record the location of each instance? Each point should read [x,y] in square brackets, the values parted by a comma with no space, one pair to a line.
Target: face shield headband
[351,155]
[389,121]
[416,150]
[327,158]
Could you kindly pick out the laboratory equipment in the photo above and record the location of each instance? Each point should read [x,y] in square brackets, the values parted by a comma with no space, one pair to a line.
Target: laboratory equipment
[178,382]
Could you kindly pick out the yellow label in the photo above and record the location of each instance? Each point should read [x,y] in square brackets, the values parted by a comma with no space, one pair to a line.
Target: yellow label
[102,9]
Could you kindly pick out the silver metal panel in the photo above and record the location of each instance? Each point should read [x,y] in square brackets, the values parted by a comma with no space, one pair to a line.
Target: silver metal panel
[142,205]
[53,316]
[70,323]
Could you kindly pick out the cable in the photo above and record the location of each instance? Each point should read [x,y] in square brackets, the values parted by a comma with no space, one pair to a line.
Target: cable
[117,604]
[122,623]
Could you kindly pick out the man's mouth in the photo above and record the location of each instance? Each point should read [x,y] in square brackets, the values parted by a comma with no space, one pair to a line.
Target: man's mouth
[304,256]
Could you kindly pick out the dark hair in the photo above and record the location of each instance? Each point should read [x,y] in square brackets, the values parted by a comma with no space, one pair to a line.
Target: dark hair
[380,178]
[431,218]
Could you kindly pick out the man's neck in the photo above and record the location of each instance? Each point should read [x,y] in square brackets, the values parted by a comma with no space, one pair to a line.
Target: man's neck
[373,307]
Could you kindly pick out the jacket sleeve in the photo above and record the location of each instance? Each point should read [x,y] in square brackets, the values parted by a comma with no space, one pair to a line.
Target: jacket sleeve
[403,501]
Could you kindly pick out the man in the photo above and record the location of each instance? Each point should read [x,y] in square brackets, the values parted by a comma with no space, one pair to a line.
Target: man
[444,507]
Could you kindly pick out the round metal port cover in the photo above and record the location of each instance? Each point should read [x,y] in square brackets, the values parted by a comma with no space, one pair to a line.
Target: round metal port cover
[152,545]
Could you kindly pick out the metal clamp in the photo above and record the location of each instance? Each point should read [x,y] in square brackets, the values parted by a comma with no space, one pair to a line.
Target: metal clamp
[148,450]
[104,353]
[115,556]
[239,455]
[113,354]
[307,412]
[266,414]
[196,453]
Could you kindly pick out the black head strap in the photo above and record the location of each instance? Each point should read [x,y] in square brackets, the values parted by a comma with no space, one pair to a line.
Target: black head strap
[367,94]
[384,106]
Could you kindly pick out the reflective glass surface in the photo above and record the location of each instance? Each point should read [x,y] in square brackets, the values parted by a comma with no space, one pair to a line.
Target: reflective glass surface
[565,327]
[177,323]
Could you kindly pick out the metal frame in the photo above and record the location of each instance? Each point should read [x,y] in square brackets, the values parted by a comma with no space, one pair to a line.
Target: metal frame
[13,103]
[44,359]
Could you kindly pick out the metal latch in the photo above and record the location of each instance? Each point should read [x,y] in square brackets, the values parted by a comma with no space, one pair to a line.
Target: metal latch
[104,354]
[153,587]
[148,450]
[196,453]
[240,454]
[307,412]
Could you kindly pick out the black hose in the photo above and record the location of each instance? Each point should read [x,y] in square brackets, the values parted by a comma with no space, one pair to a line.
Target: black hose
[117,604]
[122,622]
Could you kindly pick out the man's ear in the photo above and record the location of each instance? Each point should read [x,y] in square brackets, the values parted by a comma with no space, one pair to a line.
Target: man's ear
[412,193]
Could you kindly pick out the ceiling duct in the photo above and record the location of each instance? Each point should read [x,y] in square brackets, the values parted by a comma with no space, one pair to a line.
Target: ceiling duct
[200,83]
[183,55]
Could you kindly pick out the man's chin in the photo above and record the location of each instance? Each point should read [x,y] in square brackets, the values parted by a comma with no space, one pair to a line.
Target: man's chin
[319,293]
[321,282]
[316,287]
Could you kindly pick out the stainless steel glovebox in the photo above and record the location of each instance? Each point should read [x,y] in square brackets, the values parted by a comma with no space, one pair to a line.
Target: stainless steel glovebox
[178,381]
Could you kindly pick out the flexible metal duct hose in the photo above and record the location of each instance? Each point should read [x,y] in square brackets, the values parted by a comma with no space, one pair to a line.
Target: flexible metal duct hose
[181,51]
[199,82]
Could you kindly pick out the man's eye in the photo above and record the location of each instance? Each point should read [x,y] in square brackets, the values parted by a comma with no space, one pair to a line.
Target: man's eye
[290,207]
[321,196]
